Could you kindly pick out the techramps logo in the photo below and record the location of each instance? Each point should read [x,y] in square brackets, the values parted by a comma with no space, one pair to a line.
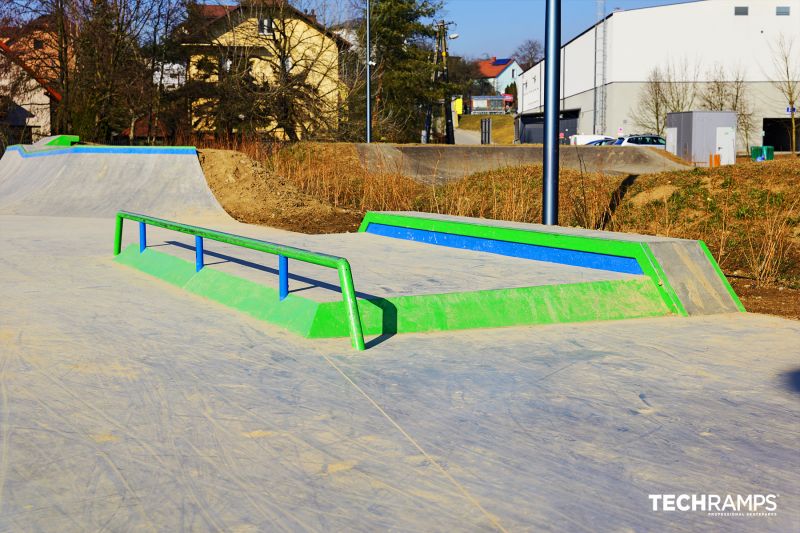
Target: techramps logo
[742,505]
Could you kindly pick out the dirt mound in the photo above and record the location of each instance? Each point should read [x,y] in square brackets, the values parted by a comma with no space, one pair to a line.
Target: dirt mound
[250,193]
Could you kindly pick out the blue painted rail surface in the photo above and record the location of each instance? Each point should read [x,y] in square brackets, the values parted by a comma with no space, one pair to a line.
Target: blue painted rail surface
[284,253]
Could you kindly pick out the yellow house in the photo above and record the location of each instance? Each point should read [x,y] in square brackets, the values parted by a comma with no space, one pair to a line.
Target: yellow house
[262,66]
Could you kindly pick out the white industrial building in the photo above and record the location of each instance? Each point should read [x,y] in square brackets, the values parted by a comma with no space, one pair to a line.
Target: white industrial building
[606,68]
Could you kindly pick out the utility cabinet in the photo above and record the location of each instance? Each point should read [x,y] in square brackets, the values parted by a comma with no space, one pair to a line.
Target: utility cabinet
[698,136]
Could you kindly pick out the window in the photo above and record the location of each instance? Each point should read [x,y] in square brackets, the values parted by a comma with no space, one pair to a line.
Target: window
[783,11]
[512,73]
[265,27]
[741,11]
[37,44]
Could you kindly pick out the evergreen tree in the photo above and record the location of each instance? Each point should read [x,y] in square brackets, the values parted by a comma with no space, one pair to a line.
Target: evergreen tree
[401,85]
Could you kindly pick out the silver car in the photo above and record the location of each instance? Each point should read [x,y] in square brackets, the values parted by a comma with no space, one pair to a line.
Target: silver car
[653,141]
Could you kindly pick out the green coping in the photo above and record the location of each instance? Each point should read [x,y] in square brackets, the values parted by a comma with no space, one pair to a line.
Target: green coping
[634,249]
[721,275]
[635,297]
[64,140]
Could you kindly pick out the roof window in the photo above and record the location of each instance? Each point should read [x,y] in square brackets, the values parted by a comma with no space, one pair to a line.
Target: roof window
[783,11]
[741,11]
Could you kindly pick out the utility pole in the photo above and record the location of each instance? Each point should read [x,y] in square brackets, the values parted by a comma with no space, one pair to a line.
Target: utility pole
[552,85]
[369,76]
[600,68]
[440,72]
[434,76]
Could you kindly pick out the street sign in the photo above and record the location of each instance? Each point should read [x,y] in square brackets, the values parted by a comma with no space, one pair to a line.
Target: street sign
[790,110]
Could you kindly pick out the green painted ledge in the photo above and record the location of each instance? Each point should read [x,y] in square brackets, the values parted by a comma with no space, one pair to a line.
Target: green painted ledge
[635,297]
[640,251]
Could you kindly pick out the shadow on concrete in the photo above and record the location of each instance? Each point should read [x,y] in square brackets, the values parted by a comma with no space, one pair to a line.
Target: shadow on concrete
[792,380]
[388,320]
[249,264]
[388,309]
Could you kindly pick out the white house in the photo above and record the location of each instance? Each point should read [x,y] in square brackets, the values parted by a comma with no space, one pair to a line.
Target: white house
[606,68]
[500,72]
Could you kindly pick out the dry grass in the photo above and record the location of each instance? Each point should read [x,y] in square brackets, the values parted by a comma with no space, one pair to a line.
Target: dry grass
[747,213]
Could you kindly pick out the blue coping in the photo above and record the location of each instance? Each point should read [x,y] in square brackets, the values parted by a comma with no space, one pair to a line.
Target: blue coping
[146,150]
[614,263]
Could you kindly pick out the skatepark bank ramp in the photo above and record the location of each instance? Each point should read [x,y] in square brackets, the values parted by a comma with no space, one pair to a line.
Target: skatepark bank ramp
[58,178]
[438,163]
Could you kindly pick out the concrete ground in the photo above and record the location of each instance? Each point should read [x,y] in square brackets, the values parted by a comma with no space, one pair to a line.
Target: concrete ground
[126,404]
[382,267]
[469,137]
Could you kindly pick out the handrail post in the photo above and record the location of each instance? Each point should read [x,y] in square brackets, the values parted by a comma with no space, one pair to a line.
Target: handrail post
[283,277]
[198,253]
[350,302]
[118,235]
[142,236]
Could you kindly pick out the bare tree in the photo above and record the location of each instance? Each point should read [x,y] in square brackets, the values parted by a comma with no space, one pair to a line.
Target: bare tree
[650,112]
[274,71]
[529,53]
[92,52]
[669,89]
[786,78]
[727,91]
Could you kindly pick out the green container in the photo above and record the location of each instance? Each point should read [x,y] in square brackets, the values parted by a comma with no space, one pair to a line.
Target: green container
[763,153]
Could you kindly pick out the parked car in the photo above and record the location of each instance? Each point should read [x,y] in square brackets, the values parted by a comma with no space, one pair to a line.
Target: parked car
[582,139]
[602,142]
[653,141]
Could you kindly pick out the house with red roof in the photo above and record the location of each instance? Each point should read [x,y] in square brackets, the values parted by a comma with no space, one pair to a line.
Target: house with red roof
[26,94]
[500,72]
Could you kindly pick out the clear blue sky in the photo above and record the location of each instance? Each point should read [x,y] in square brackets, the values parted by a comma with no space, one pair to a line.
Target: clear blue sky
[497,27]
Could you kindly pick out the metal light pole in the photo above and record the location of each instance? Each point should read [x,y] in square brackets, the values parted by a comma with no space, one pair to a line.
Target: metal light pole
[552,85]
[369,76]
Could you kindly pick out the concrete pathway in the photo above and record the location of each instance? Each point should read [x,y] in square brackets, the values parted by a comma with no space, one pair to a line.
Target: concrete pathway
[126,404]
[467,136]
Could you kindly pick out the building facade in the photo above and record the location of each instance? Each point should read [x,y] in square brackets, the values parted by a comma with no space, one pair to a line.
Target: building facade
[27,57]
[290,62]
[605,69]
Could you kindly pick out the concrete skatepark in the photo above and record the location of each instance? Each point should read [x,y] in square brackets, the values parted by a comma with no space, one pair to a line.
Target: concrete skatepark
[132,401]
[433,163]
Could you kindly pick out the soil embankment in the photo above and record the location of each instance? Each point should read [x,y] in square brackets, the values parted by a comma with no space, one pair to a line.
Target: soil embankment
[250,193]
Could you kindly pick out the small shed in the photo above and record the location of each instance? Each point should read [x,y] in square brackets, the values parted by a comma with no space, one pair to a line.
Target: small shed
[696,136]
